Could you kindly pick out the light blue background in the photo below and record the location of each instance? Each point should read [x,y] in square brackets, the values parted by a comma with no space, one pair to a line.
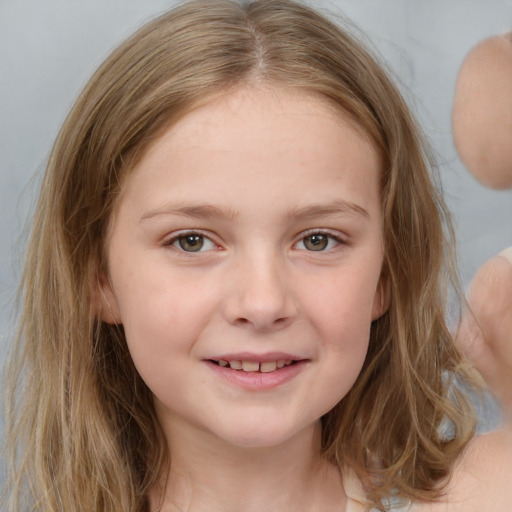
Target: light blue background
[49,48]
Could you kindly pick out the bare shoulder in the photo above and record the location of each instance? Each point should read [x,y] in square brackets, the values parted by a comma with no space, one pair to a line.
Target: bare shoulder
[481,479]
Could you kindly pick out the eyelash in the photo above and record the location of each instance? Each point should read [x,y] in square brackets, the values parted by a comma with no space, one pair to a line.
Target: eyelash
[205,238]
[183,235]
[329,236]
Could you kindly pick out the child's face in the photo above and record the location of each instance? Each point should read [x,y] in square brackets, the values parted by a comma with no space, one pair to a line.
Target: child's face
[250,232]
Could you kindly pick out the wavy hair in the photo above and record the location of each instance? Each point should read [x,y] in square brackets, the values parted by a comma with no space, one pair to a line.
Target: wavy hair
[82,428]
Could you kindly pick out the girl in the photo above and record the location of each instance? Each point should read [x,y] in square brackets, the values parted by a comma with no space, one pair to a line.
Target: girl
[233,294]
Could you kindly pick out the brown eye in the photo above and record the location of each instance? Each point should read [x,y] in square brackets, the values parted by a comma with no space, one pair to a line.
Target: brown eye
[191,243]
[316,242]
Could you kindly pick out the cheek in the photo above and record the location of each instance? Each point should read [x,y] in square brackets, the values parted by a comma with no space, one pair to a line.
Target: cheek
[161,318]
[340,311]
[345,339]
[341,305]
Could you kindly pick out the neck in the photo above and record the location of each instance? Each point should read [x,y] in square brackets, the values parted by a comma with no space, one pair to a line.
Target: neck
[208,474]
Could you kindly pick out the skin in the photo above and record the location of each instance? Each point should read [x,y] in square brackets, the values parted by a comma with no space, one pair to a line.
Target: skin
[482,112]
[481,477]
[256,287]
[485,335]
[480,480]
[482,126]
[272,165]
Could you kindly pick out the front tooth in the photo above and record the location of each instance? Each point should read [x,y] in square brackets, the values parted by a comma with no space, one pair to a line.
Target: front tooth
[223,363]
[235,365]
[268,367]
[250,366]
[280,363]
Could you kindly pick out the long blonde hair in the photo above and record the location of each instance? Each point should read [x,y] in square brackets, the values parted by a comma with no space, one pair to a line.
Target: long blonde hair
[82,428]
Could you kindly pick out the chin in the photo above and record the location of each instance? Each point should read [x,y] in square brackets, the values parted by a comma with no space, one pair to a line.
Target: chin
[261,434]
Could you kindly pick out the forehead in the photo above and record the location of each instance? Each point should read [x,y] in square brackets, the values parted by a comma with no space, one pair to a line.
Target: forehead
[271,109]
[260,140]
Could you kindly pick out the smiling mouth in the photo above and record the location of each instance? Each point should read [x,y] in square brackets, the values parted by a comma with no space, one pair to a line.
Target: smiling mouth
[254,366]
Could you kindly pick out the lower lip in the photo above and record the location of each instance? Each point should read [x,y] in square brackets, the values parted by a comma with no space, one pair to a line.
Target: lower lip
[258,381]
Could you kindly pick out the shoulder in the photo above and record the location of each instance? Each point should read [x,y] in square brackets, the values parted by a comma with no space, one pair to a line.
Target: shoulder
[480,479]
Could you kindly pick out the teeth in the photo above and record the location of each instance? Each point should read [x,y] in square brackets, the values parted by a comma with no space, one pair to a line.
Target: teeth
[250,366]
[254,366]
[268,367]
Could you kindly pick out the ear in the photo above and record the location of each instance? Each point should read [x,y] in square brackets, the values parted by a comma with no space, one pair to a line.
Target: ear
[105,302]
[381,299]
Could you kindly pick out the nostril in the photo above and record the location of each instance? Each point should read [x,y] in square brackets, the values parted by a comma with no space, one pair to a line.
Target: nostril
[281,321]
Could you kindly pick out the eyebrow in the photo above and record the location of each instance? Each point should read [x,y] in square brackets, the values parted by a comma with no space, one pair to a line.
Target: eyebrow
[333,208]
[207,210]
[194,211]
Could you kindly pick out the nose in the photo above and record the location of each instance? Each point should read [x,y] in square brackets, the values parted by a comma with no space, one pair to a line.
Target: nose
[260,295]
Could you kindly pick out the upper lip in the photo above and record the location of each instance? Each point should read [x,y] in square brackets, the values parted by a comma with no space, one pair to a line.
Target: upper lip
[260,358]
